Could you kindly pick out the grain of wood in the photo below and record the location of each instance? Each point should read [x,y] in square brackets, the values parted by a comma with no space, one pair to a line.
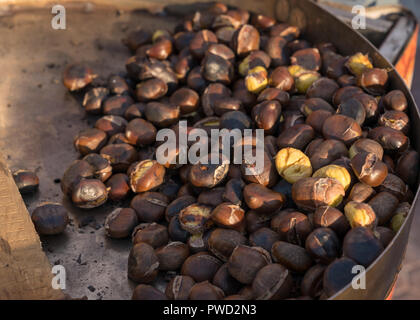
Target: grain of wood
[25,272]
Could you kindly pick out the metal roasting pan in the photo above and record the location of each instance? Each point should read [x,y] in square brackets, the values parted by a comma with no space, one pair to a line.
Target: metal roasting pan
[39,118]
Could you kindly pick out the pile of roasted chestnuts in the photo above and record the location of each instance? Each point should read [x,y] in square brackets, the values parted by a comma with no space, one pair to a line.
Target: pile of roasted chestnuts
[338,178]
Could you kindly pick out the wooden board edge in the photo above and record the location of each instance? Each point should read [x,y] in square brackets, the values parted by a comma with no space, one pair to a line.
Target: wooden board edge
[25,272]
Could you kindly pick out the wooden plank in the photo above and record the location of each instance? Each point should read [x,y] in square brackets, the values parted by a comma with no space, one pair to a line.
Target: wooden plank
[25,272]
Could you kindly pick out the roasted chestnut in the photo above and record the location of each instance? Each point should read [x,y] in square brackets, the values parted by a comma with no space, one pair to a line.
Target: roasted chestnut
[120,223]
[346,93]
[332,218]
[323,88]
[369,169]
[160,49]
[200,43]
[93,99]
[360,215]
[117,105]
[206,291]
[143,263]
[201,266]
[308,106]
[118,85]
[272,282]
[266,115]
[266,177]
[102,168]
[384,205]
[339,173]
[361,245]
[216,68]
[228,215]
[233,191]
[323,245]
[373,81]
[245,40]
[140,132]
[77,171]
[342,128]
[150,206]
[198,242]
[408,167]
[361,192]
[187,100]
[179,288]
[211,197]
[401,214]
[326,152]
[172,255]
[280,78]
[358,63]
[222,242]
[119,186]
[177,205]
[162,114]
[353,109]
[337,275]
[395,100]
[111,124]
[310,59]
[311,193]
[50,218]
[225,281]
[256,79]
[208,174]
[26,181]
[255,221]
[76,77]
[147,292]
[151,89]
[89,193]
[292,226]
[298,137]
[146,175]
[276,48]
[293,165]
[395,185]
[385,235]
[195,218]
[120,156]
[311,284]
[366,145]
[397,120]
[153,234]
[262,199]
[264,238]
[90,141]
[245,262]
[293,257]
[274,94]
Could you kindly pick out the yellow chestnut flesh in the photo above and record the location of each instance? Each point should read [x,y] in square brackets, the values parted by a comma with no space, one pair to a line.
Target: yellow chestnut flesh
[293,165]
[339,173]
